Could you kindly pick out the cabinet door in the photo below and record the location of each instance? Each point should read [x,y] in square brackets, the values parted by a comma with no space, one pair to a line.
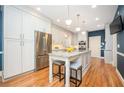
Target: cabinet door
[42,26]
[28,26]
[12,22]
[12,58]
[28,55]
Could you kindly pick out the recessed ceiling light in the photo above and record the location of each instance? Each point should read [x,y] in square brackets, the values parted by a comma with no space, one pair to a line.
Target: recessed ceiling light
[96,18]
[78,29]
[83,33]
[38,8]
[58,20]
[93,6]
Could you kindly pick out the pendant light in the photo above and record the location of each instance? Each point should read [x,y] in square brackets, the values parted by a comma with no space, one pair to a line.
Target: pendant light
[78,28]
[68,21]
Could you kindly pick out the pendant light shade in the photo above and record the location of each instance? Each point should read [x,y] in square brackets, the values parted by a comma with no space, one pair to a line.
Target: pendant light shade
[78,28]
[68,21]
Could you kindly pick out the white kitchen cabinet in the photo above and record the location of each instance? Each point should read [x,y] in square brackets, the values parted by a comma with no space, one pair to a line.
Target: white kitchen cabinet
[39,25]
[29,26]
[19,56]
[27,55]
[12,58]
[19,27]
[12,22]
[42,26]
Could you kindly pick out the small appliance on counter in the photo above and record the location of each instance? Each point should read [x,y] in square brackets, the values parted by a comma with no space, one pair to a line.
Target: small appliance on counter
[82,45]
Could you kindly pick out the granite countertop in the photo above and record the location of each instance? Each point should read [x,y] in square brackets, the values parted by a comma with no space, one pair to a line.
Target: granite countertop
[66,54]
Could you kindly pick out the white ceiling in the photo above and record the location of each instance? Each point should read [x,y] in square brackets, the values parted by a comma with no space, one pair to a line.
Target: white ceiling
[105,13]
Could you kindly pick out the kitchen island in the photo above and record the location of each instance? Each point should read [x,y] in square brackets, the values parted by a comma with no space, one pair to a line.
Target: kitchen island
[67,57]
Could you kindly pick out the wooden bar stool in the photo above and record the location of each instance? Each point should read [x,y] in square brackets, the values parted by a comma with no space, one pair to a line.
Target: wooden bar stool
[59,65]
[76,73]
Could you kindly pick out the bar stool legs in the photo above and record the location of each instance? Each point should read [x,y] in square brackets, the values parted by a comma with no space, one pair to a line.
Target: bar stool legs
[59,73]
[75,79]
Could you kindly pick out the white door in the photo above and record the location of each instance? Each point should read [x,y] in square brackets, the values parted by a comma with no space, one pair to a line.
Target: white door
[94,46]
[27,55]
[12,58]
[12,22]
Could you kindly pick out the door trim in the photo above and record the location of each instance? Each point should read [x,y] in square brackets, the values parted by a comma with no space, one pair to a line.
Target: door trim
[0,73]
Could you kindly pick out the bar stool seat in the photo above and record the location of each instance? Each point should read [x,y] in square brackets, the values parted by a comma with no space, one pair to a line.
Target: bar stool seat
[75,65]
[76,72]
[59,64]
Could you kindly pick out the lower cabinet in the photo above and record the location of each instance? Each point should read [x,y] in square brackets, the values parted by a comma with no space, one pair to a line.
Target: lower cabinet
[18,57]
[27,55]
[12,58]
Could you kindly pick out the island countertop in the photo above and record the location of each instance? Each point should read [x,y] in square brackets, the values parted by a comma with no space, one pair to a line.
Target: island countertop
[67,54]
[66,57]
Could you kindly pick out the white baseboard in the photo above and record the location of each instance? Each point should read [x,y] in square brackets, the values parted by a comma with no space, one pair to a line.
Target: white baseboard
[102,57]
[121,78]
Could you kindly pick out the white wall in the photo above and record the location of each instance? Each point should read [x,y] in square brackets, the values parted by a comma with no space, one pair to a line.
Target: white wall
[110,47]
[61,37]
[75,39]
[114,38]
[83,37]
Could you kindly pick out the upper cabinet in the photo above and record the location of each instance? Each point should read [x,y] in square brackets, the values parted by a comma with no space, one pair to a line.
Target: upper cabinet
[29,26]
[12,22]
[42,26]
[21,25]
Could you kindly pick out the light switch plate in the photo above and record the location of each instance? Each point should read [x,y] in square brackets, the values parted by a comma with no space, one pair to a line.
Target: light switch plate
[118,46]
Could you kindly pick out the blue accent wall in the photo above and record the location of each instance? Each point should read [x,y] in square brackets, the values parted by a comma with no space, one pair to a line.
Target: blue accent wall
[120,64]
[102,34]
[120,41]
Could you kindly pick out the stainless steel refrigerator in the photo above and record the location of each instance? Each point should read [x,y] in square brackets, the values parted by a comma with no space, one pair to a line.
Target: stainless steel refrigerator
[43,46]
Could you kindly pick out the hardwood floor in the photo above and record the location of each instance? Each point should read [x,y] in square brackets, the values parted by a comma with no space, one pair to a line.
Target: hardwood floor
[98,74]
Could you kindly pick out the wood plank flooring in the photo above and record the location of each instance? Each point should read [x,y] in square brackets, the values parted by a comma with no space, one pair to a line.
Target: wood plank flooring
[98,74]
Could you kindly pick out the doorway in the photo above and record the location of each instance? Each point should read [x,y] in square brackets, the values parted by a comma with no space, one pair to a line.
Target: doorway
[94,46]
